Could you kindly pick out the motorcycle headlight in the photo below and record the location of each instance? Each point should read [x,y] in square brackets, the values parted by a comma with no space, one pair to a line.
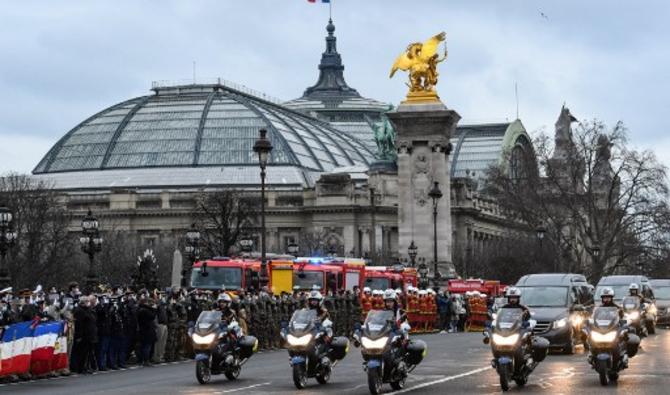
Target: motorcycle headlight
[603,337]
[197,339]
[633,315]
[374,344]
[501,340]
[577,320]
[652,309]
[298,341]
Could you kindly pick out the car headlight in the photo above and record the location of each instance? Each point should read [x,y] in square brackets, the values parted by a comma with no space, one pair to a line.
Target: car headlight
[501,340]
[197,339]
[374,344]
[603,338]
[633,315]
[560,323]
[298,341]
[577,320]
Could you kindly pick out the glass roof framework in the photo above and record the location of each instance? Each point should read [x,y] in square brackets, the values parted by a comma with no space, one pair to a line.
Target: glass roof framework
[208,125]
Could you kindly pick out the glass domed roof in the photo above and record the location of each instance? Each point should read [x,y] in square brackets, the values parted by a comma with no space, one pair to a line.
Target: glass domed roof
[200,126]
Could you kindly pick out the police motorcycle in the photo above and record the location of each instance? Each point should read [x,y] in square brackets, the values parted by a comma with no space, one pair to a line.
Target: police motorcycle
[313,351]
[220,347]
[516,352]
[611,343]
[634,314]
[387,353]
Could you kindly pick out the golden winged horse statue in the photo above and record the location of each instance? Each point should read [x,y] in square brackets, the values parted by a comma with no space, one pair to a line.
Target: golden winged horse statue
[420,60]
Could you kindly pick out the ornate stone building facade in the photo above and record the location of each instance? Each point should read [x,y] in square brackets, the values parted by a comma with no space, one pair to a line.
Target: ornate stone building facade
[140,165]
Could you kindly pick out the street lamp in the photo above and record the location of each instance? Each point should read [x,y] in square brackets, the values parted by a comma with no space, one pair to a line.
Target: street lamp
[7,240]
[293,249]
[192,249]
[263,147]
[91,243]
[246,243]
[435,194]
[412,251]
[540,232]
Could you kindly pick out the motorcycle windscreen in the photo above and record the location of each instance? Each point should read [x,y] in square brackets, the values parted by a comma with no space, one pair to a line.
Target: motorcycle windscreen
[302,322]
[605,317]
[630,303]
[378,323]
[509,320]
[207,321]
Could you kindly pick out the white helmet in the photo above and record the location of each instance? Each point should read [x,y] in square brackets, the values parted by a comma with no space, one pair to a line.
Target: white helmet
[513,291]
[607,293]
[634,287]
[224,297]
[423,292]
[431,292]
[367,290]
[315,295]
[389,294]
[377,292]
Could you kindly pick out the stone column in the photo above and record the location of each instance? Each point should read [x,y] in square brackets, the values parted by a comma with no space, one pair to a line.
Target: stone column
[422,138]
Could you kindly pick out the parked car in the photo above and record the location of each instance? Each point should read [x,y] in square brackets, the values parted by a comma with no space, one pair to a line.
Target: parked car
[561,304]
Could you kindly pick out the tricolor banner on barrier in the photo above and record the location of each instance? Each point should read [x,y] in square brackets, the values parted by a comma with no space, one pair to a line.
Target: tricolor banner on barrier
[36,349]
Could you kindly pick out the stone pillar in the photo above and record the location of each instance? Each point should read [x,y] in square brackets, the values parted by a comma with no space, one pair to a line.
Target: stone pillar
[422,138]
[177,265]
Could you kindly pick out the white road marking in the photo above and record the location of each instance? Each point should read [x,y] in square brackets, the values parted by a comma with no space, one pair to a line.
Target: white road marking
[442,380]
[243,388]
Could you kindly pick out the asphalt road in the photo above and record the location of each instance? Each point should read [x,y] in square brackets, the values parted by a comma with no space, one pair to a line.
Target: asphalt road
[456,364]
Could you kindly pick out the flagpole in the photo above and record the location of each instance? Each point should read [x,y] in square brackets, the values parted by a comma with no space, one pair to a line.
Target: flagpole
[330,9]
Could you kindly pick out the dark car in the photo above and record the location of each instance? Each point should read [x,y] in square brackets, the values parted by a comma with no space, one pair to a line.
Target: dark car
[662,294]
[560,303]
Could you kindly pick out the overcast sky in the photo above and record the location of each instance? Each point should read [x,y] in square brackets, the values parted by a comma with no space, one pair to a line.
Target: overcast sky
[63,61]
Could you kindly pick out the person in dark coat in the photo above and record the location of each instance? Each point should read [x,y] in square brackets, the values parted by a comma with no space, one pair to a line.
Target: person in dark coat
[104,321]
[85,336]
[146,324]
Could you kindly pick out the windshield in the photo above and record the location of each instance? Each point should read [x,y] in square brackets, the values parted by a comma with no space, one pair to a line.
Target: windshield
[509,315]
[208,317]
[378,283]
[604,317]
[303,316]
[307,279]
[662,293]
[631,303]
[378,317]
[620,291]
[544,296]
[218,278]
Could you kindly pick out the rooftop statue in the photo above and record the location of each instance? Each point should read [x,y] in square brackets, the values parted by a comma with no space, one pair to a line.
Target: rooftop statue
[420,60]
[385,139]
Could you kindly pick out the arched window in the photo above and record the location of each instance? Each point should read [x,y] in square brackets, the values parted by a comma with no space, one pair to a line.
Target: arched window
[516,165]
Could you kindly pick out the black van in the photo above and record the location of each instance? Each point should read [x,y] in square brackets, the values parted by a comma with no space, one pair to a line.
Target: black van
[560,303]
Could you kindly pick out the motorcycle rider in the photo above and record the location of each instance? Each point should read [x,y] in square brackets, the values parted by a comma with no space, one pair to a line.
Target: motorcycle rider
[391,304]
[513,295]
[315,302]
[634,290]
[224,302]
[607,299]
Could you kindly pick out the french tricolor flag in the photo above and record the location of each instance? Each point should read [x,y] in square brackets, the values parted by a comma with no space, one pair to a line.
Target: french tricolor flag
[44,344]
[16,348]
[60,360]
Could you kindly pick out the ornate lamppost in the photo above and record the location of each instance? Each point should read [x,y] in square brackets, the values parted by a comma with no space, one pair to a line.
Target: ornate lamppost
[91,244]
[246,243]
[7,240]
[192,250]
[263,147]
[435,194]
[293,249]
[540,232]
[595,250]
[412,251]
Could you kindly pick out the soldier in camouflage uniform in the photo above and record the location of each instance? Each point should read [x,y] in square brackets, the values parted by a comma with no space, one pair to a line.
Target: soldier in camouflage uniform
[348,321]
[182,327]
[260,320]
[356,310]
[329,304]
[273,320]
[252,312]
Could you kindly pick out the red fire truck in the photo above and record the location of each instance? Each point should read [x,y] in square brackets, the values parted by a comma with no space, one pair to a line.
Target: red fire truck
[385,277]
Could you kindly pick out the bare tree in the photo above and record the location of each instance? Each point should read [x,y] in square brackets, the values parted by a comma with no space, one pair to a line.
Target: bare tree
[221,217]
[602,202]
[44,247]
[320,242]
